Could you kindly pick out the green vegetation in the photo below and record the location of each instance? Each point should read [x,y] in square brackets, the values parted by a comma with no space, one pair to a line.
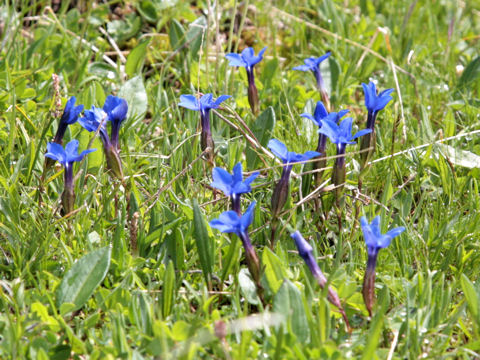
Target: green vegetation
[135,271]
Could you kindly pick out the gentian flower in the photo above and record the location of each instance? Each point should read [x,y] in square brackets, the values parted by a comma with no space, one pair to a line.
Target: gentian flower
[305,250]
[69,117]
[67,157]
[203,105]
[320,114]
[248,60]
[313,64]
[233,185]
[231,222]
[374,103]
[116,109]
[93,121]
[280,192]
[341,135]
[375,241]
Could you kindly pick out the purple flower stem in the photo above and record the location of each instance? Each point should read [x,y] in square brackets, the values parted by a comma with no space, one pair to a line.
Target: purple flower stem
[68,195]
[253,263]
[368,290]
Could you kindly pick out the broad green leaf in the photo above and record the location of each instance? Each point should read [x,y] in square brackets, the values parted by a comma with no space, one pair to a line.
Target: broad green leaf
[459,157]
[203,242]
[274,271]
[134,92]
[262,128]
[288,301]
[248,287]
[83,277]
[135,58]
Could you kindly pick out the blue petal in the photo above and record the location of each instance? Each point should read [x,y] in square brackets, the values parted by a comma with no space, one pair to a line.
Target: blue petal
[55,152]
[279,149]
[247,218]
[237,173]
[302,68]
[308,116]
[385,92]
[220,100]
[341,114]
[345,128]
[294,157]
[380,103]
[395,232]
[330,129]
[189,102]
[71,148]
[361,133]
[323,57]
[304,248]
[116,108]
[236,60]
[228,222]
[251,178]
[366,91]
[222,180]
[206,101]
[320,111]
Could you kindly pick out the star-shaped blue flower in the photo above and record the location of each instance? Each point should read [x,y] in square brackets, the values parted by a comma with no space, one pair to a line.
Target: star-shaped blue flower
[232,184]
[246,59]
[341,134]
[94,118]
[204,104]
[321,113]
[374,102]
[71,112]
[281,151]
[312,63]
[374,239]
[66,156]
[231,222]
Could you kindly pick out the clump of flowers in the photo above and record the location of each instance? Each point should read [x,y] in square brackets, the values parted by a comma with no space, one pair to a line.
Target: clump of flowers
[319,115]
[248,60]
[233,185]
[67,157]
[204,105]
[313,64]
[305,250]
[115,111]
[375,241]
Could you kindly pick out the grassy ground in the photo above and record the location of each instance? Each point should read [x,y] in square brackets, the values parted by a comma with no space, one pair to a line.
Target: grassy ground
[185,291]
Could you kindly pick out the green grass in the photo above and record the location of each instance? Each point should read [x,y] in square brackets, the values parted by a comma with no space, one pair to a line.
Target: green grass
[155,301]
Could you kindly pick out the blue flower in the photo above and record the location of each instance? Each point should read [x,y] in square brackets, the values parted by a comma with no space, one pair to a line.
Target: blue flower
[204,104]
[312,63]
[71,112]
[69,117]
[246,59]
[341,134]
[231,222]
[66,156]
[374,102]
[374,239]
[232,184]
[116,109]
[321,113]
[280,150]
